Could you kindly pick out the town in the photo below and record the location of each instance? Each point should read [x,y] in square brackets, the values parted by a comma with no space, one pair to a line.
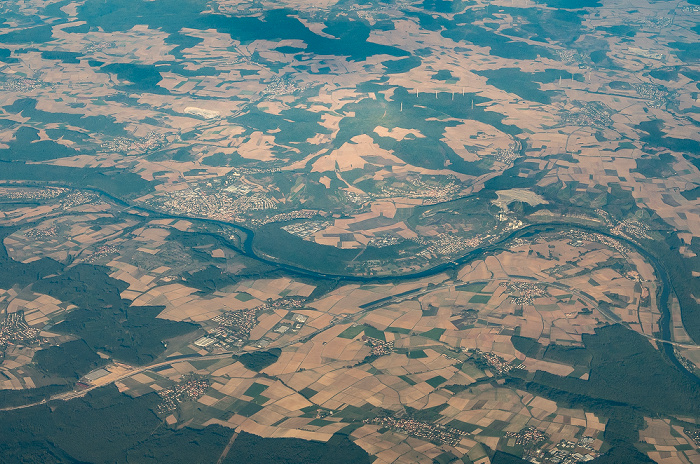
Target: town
[233,327]
[23,193]
[191,388]
[379,347]
[528,436]
[14,330]
[526,291]
[565,452]
[152,141]
[307,228]
[291,216]
[430,192]
[495,362]
[432,432]
[445,245]
[594,114]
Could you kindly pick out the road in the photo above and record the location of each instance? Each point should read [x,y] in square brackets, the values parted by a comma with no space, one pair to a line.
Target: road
[66,396]
[228,448]
[594,304]
[247,249]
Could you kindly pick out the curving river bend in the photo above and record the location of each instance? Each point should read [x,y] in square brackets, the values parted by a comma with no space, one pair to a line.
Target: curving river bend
[247,249]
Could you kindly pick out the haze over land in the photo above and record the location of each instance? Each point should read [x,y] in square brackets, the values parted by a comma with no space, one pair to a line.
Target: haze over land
[381,231]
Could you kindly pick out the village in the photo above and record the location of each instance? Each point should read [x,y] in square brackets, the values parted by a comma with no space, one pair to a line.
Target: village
[425,430]
[14,330]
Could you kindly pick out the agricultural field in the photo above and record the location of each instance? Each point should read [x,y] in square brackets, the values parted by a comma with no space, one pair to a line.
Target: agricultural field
[409,370]
[388,232]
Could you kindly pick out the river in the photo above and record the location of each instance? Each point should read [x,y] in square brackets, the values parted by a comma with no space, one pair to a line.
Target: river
[247,249]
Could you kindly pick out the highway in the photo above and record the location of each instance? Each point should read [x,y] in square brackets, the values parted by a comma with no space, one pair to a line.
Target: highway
[66,396]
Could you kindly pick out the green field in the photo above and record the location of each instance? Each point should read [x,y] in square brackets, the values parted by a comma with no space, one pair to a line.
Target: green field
[433,334]
[374,333]
[352,331]
[483,299]
[243,296]
[255,389]
[473,287]
[436,381]
[416,354]
[398,330]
